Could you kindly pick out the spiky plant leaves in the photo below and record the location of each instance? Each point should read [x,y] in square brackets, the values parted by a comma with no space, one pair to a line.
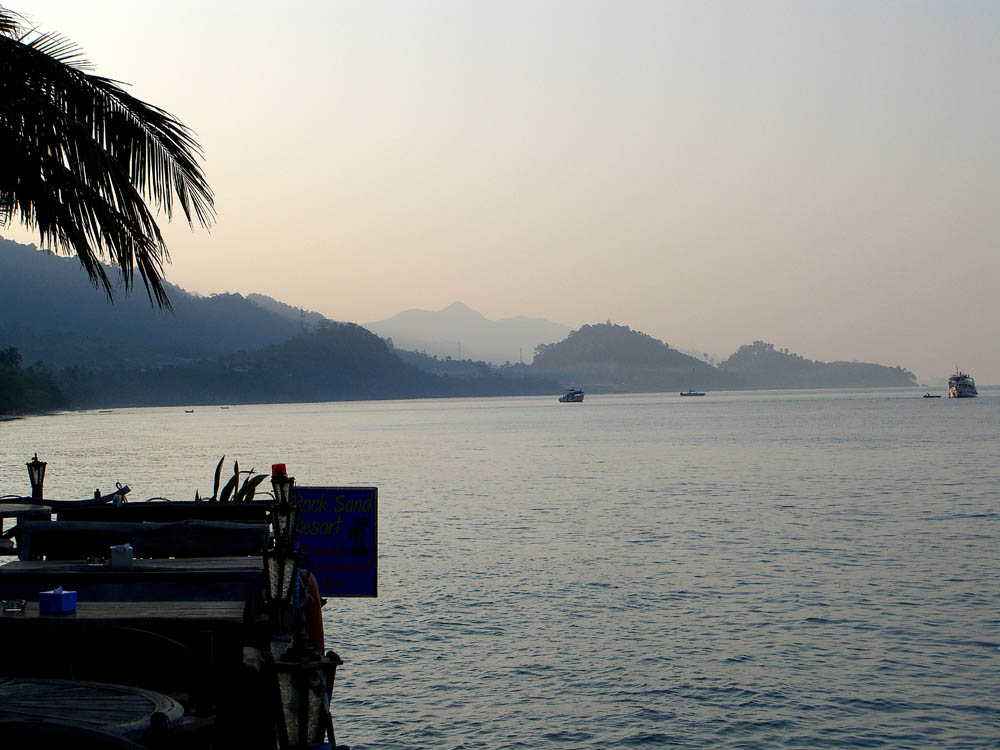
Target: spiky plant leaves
[218,478]
[230,487]
[249,489]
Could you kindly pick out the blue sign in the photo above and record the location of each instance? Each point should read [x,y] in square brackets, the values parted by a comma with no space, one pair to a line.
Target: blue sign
[338,536]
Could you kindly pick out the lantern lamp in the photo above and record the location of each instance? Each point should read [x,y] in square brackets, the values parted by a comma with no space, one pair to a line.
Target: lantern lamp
[282,485]
[282,568]
[304,692]
[284,518]
[36,475]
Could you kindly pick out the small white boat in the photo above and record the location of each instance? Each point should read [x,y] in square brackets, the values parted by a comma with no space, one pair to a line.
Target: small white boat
[961,385]
[571,396]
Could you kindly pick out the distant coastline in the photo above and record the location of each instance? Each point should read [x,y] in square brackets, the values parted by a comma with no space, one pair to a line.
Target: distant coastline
[232,349]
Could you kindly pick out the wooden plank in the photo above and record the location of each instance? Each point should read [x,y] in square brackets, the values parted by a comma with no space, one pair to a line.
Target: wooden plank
[210,614]
[167,512]
[239,579]
[168,565]
[75,540]
[24,510]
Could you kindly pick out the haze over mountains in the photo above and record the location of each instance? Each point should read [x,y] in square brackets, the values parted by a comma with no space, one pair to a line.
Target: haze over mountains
[228,348]
[460,332]
[51,312]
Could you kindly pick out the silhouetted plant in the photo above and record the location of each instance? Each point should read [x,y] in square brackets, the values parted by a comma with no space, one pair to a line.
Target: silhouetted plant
[230,494]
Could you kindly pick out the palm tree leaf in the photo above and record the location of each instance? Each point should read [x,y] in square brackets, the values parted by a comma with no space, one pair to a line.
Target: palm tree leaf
[56,46]
[84,160]
[9,24]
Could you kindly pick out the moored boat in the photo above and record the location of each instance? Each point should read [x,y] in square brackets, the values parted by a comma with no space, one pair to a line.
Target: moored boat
[931,395]
[571,396]
[961,385]
[691,391]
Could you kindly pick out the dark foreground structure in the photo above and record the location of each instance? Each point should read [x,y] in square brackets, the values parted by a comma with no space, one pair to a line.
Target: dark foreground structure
[159,625]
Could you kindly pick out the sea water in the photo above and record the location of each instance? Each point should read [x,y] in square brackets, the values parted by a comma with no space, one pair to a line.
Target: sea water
[745,570]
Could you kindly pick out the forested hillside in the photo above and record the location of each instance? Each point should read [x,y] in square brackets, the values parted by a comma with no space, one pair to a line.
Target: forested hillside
[219,349]
[614,358]
[26,390]
[761,365]
[51,312]
[334,362]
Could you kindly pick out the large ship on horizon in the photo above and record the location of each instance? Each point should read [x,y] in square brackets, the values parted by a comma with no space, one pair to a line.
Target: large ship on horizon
[961,385]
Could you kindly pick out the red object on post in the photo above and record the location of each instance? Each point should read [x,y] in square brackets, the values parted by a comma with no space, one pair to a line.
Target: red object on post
[278,470]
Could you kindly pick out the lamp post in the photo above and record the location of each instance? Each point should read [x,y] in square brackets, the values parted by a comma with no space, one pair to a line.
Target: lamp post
[302,678]
[36,475]
[281,571]
[304,689]
[281,561]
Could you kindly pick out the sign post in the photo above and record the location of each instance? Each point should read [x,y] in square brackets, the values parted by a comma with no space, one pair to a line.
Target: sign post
[338,537]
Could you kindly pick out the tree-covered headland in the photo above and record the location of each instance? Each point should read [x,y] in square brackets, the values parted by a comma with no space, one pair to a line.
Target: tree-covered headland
[27,390]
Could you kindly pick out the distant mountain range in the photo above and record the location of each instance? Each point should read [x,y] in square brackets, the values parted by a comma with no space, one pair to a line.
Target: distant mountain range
[612,358]
[227,348]
[51,312]
[460,332]
[224,348]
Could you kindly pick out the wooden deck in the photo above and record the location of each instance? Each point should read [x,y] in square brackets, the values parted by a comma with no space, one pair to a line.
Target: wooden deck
[177,627]
[174,630]
[191,651]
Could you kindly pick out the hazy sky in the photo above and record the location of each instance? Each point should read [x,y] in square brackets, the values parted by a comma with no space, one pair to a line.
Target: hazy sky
[821,175]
